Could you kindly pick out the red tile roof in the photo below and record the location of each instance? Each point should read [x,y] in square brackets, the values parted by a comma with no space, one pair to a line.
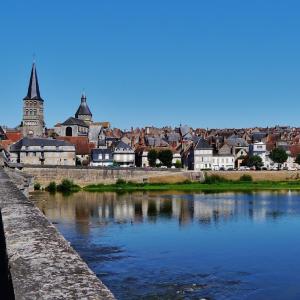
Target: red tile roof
[81,143]
[14,135]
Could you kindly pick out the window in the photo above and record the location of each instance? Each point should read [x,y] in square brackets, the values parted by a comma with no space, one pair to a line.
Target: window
[106,156]
[100,156]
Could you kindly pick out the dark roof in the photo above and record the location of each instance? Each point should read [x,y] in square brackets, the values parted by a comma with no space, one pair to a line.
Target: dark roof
[122,145]
[96,152]
[236,141]
[258,136]
[83,108]
[33,92]
[75,121]
[202,144]
[37,142]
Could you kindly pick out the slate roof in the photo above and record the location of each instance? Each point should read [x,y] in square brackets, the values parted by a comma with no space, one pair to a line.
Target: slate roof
[37,142]
[122,145]
[236,141]
[156,142]
[202,144]
[33,92]
[75,121]
[258,136]
[83,108]
[96,152]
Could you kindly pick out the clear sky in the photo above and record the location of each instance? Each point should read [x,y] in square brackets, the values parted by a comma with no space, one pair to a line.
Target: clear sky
[210,63]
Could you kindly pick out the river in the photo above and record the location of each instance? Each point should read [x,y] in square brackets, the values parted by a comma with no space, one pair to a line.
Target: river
[176,245]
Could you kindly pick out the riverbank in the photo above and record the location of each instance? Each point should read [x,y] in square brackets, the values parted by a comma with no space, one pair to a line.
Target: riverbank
[221,186]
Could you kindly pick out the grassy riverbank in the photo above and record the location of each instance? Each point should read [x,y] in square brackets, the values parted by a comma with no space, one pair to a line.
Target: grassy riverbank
[212,183]
[221,186]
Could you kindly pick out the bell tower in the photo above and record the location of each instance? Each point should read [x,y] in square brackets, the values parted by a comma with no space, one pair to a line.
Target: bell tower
[33,108]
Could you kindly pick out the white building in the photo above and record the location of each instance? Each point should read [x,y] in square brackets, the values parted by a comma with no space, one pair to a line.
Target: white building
[203,155]
[123,155]
[222,162]
[259,149]
[204,158]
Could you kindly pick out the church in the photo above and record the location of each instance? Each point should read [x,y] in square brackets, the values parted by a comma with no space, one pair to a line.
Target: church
[33,109]
[81,125]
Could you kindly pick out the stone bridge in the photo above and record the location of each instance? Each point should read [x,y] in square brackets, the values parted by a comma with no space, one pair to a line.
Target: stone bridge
[36,261]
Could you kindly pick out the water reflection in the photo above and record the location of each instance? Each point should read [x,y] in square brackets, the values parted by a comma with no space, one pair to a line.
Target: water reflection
[173,245]
[206,209]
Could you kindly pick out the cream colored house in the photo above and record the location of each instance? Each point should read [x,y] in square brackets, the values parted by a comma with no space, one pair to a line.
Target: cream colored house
[42,151]
[123,155]
[204,158]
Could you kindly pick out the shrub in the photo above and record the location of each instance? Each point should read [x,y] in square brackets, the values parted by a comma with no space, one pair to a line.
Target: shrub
[178,164]
[121,181]
[187,181]
[51,187]
[214,179]
[37,186]
[246,177]
[66,185]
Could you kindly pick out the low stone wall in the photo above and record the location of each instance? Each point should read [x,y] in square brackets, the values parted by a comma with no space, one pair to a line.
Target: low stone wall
[42,264]
[84,176]
[259,175]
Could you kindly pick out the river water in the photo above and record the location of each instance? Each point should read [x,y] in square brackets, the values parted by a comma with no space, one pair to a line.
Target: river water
[174,245]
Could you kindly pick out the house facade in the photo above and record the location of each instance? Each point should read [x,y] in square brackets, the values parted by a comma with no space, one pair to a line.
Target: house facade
[259,149]
[42,151]
[123,155]
[101,157]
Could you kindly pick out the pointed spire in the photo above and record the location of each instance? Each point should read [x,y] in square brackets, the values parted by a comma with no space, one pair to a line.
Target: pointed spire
[83,98]
[33,88]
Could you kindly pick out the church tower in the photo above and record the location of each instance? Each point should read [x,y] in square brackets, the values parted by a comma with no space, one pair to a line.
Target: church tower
[83,112]
[33,108]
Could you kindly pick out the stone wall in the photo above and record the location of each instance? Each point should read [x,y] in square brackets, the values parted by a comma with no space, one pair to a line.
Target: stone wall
[258,175]
[42,264]
[84,176]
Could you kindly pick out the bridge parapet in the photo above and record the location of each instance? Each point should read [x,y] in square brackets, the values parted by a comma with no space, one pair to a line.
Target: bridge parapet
[42,263]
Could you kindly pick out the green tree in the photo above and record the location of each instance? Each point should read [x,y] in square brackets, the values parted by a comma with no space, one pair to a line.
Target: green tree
[278,155]
[255,161]
[297,160]
[178,164]
[152,156]
[166,156]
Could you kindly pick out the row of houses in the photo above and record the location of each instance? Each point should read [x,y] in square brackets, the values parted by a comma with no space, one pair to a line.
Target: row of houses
[131,148]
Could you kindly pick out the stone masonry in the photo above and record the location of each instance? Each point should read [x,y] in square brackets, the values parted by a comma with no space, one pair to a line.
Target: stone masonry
[42,263]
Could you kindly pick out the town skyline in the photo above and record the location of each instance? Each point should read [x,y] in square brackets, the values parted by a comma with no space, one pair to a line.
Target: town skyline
[129,127]
[212,65]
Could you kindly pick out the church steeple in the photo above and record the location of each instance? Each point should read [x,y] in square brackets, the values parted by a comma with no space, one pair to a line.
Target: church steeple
[33,92]
[83,112]
[33,108]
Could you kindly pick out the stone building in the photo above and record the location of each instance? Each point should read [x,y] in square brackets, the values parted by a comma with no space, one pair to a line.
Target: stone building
[80,125]
[42,151]
[33,108]
[72,127]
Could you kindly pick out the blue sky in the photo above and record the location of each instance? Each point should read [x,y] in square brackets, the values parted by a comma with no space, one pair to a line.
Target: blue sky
[207,63]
